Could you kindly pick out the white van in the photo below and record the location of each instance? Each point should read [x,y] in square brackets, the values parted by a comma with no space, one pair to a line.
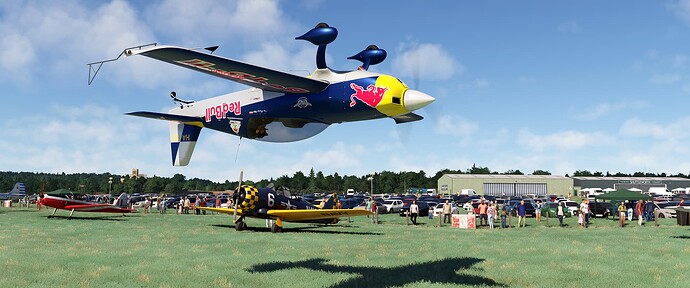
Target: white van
[468,192]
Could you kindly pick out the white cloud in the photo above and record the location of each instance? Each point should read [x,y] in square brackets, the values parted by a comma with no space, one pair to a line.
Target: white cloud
[67,32]
[604,109]
[565,140]
[681,8]
[453,125]
[665,79]
[275,56]
[426,61]
[213,20]
[638,128]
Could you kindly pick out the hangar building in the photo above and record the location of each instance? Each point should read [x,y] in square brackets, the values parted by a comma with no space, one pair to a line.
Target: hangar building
[642,183]
[510,185]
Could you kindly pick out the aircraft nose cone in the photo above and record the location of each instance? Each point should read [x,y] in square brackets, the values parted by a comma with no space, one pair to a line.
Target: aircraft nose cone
[414,100]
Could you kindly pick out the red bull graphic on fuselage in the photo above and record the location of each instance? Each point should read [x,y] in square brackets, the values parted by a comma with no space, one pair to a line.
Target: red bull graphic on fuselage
[208,66]
[221,111]
[372,96]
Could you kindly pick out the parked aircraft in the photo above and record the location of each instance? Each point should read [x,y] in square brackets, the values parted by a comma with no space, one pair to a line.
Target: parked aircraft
[265,203]
[18,191]
[280,107]
[62,200]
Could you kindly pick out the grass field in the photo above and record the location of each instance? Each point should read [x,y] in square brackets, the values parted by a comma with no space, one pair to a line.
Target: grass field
[104,250]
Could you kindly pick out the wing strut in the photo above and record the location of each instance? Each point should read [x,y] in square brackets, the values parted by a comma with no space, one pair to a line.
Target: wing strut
[93,72]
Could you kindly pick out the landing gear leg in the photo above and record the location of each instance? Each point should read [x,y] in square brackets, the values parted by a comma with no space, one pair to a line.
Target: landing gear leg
[71,213]
[53,215]
[277,227]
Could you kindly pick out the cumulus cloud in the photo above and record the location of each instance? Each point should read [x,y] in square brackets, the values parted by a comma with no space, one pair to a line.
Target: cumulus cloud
[637,128]
[603,109]
[565,140]
[681,8]
[453,125]
[206,19]
[426,61]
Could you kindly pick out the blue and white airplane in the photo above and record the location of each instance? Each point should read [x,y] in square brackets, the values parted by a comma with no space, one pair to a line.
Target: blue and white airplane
[19,191]
[280,107]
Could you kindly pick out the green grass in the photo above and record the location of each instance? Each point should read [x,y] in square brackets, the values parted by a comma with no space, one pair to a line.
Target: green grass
[105,250]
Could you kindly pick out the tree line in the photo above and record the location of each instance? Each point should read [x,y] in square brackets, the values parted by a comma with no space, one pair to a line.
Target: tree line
[383,182]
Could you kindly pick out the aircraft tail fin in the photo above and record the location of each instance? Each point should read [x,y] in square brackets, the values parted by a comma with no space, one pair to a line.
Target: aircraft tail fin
[19,189]
[183,139]
[332,202]
[122,201]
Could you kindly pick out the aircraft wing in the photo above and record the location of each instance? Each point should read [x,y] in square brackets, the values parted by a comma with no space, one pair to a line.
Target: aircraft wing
[96,207]
[230,211]
[315,214]
[248,74]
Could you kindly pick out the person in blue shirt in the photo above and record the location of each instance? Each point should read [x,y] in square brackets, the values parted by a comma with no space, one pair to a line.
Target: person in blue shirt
[521,213]
[649,210]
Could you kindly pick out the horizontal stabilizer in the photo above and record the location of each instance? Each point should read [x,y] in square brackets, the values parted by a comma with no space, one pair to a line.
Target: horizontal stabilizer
[409,117]
[169,117]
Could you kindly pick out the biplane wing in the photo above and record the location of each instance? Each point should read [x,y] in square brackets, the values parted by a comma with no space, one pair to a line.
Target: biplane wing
[248,74]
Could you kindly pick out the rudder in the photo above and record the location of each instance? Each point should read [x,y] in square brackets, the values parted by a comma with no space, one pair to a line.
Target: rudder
[183,139]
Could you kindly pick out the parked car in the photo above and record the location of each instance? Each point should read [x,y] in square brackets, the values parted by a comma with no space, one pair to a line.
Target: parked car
[393,206]
[423,208]
[573,206]
[380,208]
[350,203]
[601,209]
[438,209]
[529,208]
[552,209]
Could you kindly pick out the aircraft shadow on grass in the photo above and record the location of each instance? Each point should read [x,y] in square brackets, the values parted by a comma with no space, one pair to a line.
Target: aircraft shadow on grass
[106,218]
[444,271]
[316,230]
[687,237]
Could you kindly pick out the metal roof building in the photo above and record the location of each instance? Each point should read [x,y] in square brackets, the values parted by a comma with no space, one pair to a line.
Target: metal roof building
[512,185]
[642,183]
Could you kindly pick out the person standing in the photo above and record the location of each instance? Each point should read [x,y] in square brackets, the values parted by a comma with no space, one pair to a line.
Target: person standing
[414,211]
[560,211]
[369,203]
[491,212]
[537,211]
[447,210]
[504,215]
[621,213]
[521,213]
[580,218]
[146,205]
[197,204]
[180,206]
[164,205]
[649,210]
[158,204]
[483,219]
[638,212]
[39,202]
[584,208]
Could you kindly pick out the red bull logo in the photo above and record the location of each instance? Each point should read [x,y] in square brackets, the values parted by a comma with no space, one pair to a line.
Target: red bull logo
[221,111]
[371,96]
[207,66]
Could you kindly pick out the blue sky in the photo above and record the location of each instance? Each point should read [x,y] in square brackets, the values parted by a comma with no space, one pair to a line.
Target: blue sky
[552,85]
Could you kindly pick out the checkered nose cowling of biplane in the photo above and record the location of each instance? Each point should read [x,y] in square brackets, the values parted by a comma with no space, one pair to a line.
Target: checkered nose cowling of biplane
[248,198]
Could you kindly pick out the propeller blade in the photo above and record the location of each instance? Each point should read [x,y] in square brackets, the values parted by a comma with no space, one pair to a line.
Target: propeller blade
[234,197]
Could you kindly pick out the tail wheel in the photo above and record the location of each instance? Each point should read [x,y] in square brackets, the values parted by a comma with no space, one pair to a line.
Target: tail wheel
[661,216]
[240,225]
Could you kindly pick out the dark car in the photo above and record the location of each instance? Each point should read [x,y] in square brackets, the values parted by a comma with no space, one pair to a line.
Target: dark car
[601,209]
[423,208]
[529,208]
[349,203]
